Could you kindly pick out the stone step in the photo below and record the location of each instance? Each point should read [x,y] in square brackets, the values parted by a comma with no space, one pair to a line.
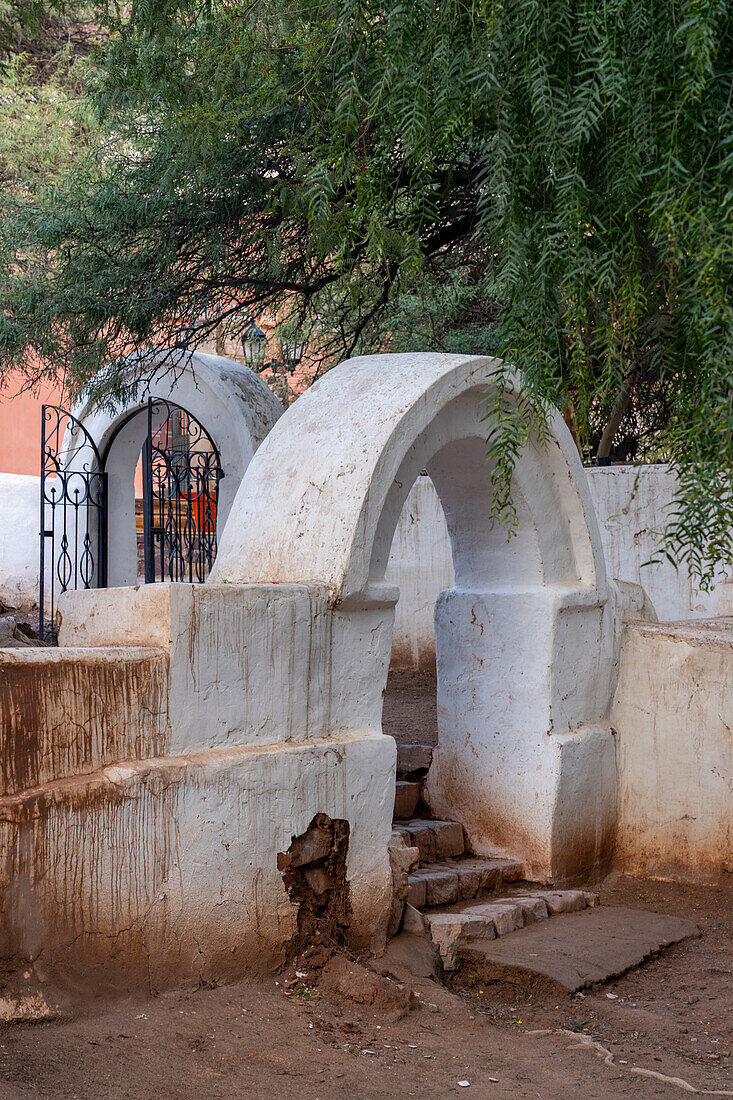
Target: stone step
[406,798]
[573,950]
[466,927]
[413,758]
[455,880]
[434,839]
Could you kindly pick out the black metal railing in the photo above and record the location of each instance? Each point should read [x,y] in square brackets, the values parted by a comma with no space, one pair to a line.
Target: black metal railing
[181,475]
[181,470]
[73,514]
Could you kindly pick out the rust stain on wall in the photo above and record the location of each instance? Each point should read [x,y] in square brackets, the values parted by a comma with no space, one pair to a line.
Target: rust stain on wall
[75,713]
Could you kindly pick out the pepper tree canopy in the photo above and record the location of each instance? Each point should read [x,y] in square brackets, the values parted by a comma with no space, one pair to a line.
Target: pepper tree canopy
[550,181]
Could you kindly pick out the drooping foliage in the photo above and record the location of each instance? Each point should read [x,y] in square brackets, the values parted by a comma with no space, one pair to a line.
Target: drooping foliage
[548,180]
[43,118]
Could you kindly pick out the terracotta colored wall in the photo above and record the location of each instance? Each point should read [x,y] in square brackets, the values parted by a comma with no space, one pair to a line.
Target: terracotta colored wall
[20,427]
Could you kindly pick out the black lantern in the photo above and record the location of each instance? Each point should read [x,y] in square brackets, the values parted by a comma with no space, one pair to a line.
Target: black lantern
[292,353]
[254,345]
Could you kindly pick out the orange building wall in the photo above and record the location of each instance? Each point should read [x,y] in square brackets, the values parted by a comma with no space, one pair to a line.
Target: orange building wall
[20,413]
[20,427]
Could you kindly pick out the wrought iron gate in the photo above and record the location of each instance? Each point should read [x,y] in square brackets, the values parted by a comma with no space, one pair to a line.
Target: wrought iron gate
[73,513]
[181,475]
[181,470]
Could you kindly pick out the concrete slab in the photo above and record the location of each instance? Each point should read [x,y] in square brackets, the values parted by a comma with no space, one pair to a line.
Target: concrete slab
[575,950]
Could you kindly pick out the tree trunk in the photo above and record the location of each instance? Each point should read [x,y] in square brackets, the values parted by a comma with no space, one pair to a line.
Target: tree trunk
[568,415]
[617,414]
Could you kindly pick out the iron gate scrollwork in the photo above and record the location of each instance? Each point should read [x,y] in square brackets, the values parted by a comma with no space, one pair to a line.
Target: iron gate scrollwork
[73,513]
[181,475]
[181,470]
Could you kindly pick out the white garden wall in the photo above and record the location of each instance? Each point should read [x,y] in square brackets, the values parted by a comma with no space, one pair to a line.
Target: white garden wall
[19,535]
[673,716]
[630,504]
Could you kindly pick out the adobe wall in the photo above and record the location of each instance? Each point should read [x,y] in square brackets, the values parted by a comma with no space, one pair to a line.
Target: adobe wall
[673,720]
[163,775]
[630,504]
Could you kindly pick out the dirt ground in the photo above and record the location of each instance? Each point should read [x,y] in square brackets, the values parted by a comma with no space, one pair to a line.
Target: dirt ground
[671,1018]
[410,712]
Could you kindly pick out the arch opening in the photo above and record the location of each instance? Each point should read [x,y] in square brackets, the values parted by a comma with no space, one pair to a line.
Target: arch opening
[525,636]
[499,644]
[175,482]
[224,412]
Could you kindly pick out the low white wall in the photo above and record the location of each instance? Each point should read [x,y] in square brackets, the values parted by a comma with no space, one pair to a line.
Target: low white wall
[630,504]
[673,717]
[216,726]
[19,541]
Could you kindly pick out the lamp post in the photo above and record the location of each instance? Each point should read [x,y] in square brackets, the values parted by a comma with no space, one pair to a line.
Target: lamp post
[292,353]
[254,346]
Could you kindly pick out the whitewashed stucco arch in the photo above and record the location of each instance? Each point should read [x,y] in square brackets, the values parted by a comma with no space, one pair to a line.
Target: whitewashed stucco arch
[232,403]
[526,637]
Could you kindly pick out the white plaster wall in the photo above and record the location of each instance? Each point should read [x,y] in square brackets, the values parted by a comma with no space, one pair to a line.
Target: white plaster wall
[19,541]
[163,871]
[673,717]
[273,715]
[630,504]
[421,566]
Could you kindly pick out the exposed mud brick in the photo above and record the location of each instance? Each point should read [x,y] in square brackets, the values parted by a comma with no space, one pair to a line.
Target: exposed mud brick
[414,758]
[314,873]
[312,847]
[318,879]
[406,798]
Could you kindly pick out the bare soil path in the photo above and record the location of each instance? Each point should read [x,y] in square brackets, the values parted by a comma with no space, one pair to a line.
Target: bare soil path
[410,712]
[673,1016]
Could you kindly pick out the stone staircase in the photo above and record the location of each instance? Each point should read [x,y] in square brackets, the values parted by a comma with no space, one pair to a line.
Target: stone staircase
[458,899]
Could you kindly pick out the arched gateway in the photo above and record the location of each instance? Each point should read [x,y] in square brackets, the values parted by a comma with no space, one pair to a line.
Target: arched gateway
[191,427]
[525,639]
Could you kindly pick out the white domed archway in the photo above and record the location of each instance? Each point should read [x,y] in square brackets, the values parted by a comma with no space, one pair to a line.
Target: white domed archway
[229,403]
[525,639]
